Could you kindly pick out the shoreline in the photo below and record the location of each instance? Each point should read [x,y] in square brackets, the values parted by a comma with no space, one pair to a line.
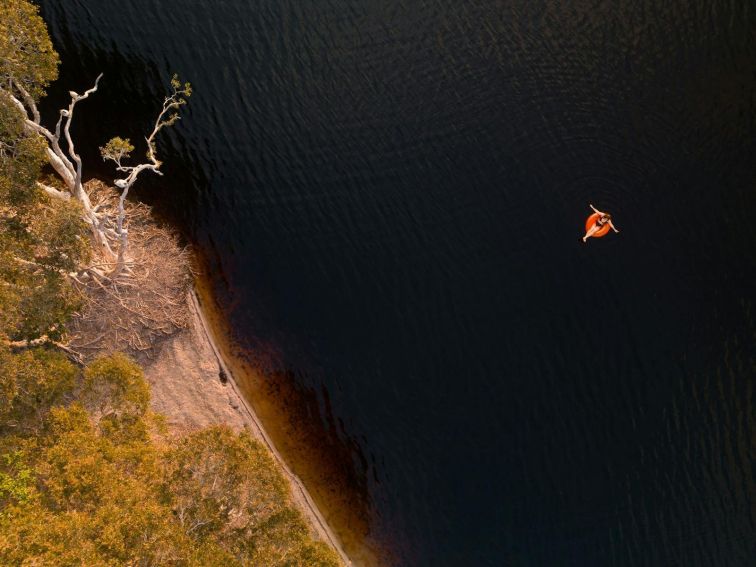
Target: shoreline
[300,493]
[193,386]
[305,446]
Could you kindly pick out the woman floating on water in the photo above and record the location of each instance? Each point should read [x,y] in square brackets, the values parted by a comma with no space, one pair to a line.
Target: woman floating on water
[598,224]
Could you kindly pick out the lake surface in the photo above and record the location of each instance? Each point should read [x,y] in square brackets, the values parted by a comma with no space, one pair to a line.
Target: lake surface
[390,198]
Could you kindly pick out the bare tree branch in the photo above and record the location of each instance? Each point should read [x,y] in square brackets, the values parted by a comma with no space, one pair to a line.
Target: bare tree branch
[28,100]
[53,192]
[118,149]
[68,116]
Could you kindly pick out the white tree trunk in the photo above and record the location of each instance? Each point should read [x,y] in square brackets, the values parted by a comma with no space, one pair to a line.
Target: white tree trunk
[60,168]
[69,166]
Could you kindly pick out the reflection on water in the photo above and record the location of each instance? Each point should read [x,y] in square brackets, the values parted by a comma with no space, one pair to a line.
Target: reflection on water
[390,196]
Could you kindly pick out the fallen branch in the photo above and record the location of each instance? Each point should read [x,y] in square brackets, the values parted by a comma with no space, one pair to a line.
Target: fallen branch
[44,340]
[133,312]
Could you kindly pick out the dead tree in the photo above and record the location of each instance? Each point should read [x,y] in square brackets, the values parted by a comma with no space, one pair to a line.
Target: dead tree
[118,149]
[110,234]
[68,164]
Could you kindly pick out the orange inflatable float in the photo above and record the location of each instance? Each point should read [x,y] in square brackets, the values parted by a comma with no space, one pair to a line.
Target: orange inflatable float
[590,221]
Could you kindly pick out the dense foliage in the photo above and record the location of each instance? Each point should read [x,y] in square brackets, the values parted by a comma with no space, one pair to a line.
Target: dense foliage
[86,477]
[26,52]
[88,474]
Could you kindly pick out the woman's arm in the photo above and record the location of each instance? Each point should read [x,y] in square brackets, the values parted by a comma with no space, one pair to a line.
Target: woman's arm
[613,228]
[595,210]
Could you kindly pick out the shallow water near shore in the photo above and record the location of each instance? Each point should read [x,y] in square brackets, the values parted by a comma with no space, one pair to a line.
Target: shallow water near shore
[389,199]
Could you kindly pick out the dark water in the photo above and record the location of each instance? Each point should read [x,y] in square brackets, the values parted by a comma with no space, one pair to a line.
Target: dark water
[391,195]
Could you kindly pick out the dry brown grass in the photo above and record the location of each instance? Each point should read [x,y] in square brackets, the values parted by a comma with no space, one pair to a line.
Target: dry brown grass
[135,312]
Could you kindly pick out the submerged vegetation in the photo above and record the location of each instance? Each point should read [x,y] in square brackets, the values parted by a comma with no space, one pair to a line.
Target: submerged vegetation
[89,475]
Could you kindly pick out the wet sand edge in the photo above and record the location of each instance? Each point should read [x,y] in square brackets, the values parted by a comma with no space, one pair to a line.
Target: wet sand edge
[299,491]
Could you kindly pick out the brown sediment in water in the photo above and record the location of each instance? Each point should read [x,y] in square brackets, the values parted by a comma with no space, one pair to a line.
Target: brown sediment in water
[309,445]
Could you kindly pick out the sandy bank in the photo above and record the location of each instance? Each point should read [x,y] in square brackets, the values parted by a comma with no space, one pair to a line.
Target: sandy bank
[194,387]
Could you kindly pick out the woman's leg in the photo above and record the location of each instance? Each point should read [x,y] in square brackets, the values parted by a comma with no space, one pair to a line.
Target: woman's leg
[591,231]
